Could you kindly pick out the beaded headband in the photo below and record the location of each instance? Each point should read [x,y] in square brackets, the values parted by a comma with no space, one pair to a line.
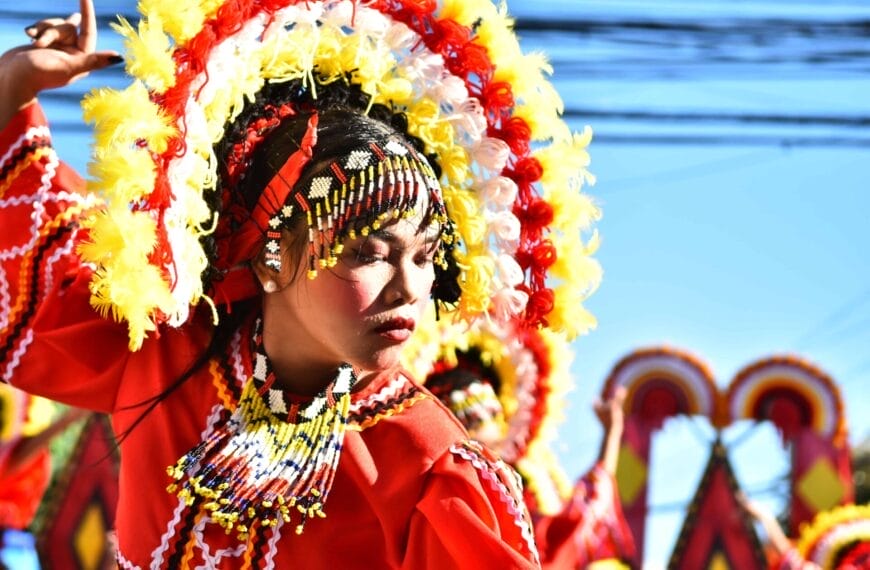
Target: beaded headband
[374,183]
[512,177]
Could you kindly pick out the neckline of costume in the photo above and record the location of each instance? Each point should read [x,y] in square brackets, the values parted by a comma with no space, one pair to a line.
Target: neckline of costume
[286,404]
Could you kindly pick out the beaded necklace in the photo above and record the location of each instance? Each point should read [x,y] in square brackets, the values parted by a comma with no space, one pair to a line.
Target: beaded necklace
[273,455]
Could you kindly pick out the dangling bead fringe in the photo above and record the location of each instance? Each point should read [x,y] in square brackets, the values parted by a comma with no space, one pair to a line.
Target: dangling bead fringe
[258,467]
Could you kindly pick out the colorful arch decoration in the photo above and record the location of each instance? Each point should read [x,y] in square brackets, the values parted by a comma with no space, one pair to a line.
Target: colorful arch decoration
[800,399]
[661,382]
[805,405]
[790,392]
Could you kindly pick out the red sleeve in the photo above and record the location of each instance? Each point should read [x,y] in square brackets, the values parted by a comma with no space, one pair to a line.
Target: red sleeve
[590,527]
[470,515]
[52,342]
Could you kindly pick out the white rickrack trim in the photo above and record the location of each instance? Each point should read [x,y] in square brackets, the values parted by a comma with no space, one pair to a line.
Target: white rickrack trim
[269,561]
[239,374]
[515,505]
[59,253]
[159,552]
[384,395]
[8,373]
[123,563]
[31,133]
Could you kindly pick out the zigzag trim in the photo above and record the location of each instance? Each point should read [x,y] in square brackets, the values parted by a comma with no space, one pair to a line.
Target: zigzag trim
[272,544]
[385,394]
[186,541]
[27,298]
[492,473]
[34,152]
[221,382]
[25,305]
[366,418]
[29,138]
[123,563]
[157,553]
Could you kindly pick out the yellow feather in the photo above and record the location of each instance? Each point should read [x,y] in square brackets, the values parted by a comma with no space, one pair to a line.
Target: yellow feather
[126,117]
[118,232]
[149,52]
[182,19]
[569,315]
[123,174]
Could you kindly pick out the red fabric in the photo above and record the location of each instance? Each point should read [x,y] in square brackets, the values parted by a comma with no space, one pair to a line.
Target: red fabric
[590,527]
[21,490]
[401,497]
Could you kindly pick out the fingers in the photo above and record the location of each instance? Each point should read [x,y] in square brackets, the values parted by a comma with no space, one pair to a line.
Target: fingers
[87,40]
[84,63]
[55,32]
[619,396]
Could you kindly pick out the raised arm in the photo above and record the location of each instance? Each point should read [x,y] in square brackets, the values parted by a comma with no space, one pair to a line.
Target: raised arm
[45,314]
[61,51]
[611,416]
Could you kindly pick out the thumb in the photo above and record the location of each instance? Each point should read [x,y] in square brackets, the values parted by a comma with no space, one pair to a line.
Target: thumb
[96,60]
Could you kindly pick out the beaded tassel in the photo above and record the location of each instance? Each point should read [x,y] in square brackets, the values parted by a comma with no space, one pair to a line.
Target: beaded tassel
[259,467]
[367,187]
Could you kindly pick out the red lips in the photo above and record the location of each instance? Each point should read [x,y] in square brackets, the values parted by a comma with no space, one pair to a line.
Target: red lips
[399,323]
[396,330]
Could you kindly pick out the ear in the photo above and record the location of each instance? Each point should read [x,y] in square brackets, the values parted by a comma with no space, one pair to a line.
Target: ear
[268,277]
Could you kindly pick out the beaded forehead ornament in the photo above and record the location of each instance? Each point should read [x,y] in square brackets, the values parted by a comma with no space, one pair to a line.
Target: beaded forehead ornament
[512,171]
[359,192]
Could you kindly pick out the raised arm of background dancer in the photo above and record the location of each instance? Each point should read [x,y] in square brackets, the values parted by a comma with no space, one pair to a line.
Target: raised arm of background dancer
[775,535]
[27,447]
[61,51]
[611,416]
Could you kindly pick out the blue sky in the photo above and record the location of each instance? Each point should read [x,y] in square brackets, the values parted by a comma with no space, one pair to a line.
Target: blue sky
[745,240]
[733,238]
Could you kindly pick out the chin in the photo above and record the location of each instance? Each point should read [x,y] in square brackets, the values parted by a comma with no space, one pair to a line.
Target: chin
[380,361]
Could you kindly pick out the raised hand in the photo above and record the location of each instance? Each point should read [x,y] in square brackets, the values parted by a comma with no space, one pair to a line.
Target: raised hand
[61,51]
[609,412]
[612,418]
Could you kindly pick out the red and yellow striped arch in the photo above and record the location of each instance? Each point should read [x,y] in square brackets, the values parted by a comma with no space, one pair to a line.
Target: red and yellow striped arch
[789,391]
[664,381]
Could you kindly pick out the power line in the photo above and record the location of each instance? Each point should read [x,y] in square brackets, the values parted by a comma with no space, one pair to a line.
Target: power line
[736,140]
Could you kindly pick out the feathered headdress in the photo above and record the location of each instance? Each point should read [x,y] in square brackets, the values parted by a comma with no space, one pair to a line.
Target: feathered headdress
[512,172]
[528,370]
[838,538]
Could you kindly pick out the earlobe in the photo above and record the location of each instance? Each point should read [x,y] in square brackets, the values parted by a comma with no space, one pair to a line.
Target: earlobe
[265,276]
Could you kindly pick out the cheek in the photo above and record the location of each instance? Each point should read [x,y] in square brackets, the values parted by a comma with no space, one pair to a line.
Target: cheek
[351,297]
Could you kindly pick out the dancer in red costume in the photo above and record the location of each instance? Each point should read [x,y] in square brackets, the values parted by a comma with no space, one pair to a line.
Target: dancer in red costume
[269,225]
[505,386]
[838,539]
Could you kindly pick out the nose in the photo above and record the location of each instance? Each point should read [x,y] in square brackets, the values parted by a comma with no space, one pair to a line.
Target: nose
[410,281]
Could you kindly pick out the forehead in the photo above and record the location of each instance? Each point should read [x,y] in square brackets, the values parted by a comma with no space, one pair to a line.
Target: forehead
[405,232]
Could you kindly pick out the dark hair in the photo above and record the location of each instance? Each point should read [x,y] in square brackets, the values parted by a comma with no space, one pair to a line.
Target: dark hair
[346,121]
[468,370]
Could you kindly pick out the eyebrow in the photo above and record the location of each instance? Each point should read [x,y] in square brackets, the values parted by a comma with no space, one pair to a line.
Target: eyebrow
[429,235]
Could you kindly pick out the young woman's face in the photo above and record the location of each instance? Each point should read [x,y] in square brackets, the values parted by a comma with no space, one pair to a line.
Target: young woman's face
[363,310]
